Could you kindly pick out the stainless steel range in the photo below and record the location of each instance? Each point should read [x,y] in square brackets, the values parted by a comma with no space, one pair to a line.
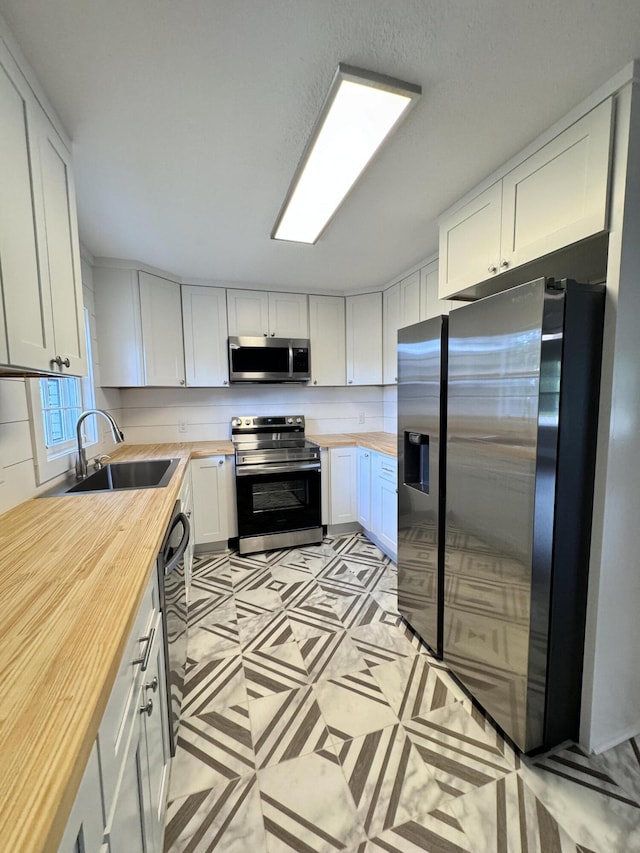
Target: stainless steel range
[277,483]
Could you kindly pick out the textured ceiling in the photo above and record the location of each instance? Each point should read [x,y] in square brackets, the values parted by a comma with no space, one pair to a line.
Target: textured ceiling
[188,118]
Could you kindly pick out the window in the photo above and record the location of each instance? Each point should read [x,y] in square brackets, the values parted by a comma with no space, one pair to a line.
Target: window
[56,402]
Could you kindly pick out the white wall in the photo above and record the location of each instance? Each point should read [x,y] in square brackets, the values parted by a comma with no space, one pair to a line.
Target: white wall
[156,414]
[611,683]
[17,471]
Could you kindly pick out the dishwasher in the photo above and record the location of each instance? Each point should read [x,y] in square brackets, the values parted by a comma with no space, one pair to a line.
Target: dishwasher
[173,605]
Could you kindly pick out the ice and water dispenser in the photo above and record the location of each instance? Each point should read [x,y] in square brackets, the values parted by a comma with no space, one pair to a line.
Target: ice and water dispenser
[416,460]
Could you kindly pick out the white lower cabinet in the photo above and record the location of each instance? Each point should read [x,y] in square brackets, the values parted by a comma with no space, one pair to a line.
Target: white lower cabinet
[121,802]
[378,499]
[343,499]
[213,500]
[384,503]
[364,487]
[85,826]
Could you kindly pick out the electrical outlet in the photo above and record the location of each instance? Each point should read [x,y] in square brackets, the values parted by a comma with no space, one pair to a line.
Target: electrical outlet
[182,427]
[361,418]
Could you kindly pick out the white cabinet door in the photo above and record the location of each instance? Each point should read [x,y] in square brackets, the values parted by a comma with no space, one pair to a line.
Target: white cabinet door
[85,826]
[327,340]
[288,315]
[390,326]
[128,828]
[26,296]
[364,487]
[558,195]
[204,320]
[119,327]
[211,479]
[248,313]
[155,748]
[161,312]
[431,304]
[63,251]
[384,501]
[410,297]
[470,242]
[364,339]
[343,498]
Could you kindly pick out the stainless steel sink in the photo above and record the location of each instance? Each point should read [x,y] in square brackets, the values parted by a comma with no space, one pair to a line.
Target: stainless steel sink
[116,476]
[119,476]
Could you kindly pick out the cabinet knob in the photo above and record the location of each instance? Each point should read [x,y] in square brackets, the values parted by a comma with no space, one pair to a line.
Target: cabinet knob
[273,334]
[153,684]
[492,268]
[266,335]
[366,455]
[504,263]
[351,382]
[60,361]
[148,708]
[182,382]
[225,381]
[315,381]
[221,462]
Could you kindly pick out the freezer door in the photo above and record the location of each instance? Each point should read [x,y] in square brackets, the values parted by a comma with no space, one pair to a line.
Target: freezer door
[421,367]
[503,397]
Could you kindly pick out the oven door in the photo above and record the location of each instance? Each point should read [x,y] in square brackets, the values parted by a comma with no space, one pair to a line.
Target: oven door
[277,498]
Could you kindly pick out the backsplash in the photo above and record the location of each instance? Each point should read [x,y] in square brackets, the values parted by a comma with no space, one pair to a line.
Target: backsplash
[201,414]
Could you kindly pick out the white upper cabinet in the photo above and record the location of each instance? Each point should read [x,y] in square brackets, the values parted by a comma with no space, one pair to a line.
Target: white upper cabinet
[556,197]
[63,253]
[410,300]
[161,313]
[390,326]
[139,325]
[431,305]
[255,313]
[327,340]
[470,242]
[364,339]
[204,320]
[288,315]
[39,255]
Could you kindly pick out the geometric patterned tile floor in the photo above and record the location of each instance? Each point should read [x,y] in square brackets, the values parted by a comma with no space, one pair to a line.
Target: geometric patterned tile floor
[314,720]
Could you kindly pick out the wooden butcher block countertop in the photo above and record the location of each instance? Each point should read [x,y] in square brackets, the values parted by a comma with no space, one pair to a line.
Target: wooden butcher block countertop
[73,570]
[382,442]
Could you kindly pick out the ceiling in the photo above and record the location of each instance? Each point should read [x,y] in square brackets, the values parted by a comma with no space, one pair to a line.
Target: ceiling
[188,118]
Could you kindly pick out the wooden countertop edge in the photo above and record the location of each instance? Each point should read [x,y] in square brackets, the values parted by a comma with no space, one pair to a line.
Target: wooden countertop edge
[381,442]
[39,789]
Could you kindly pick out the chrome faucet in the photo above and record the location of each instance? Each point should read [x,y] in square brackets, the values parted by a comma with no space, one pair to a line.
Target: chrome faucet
[118,437]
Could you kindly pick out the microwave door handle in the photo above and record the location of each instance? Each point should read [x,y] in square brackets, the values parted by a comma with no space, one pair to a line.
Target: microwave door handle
[290,360]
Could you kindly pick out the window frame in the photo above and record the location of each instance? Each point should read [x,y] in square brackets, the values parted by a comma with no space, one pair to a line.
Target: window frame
[50,462]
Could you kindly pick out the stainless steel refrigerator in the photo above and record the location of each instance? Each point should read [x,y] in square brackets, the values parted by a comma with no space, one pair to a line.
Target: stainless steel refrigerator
[521,422]
[422,377]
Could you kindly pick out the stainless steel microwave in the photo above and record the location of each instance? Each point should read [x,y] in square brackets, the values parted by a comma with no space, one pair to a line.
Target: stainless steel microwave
[269,360]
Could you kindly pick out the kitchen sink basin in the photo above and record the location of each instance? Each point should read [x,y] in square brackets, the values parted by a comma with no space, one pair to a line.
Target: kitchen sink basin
[117,476]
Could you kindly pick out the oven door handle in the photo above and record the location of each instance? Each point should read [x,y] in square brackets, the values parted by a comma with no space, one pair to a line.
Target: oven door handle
[289,468]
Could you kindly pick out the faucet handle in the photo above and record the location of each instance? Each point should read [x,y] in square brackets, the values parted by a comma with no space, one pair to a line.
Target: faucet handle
[98,462]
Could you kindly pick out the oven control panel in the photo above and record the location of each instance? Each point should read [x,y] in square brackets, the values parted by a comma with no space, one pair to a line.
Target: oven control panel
[288,423]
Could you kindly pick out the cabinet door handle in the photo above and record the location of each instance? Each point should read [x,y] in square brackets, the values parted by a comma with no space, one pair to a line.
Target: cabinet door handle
[315,381]
[273,334]
[181,382]
[221,462]
[144,660]
[504,263]
[492,268]
[225,382]
[60,361]
[148,708]
[351,382]
[266,335]
[153,684]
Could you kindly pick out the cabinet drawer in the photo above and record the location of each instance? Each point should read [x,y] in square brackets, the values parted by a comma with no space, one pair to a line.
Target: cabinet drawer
[121,708]
[386,467]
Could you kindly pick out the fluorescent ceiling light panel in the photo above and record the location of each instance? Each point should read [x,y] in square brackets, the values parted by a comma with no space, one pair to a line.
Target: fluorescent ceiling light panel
[359,113]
